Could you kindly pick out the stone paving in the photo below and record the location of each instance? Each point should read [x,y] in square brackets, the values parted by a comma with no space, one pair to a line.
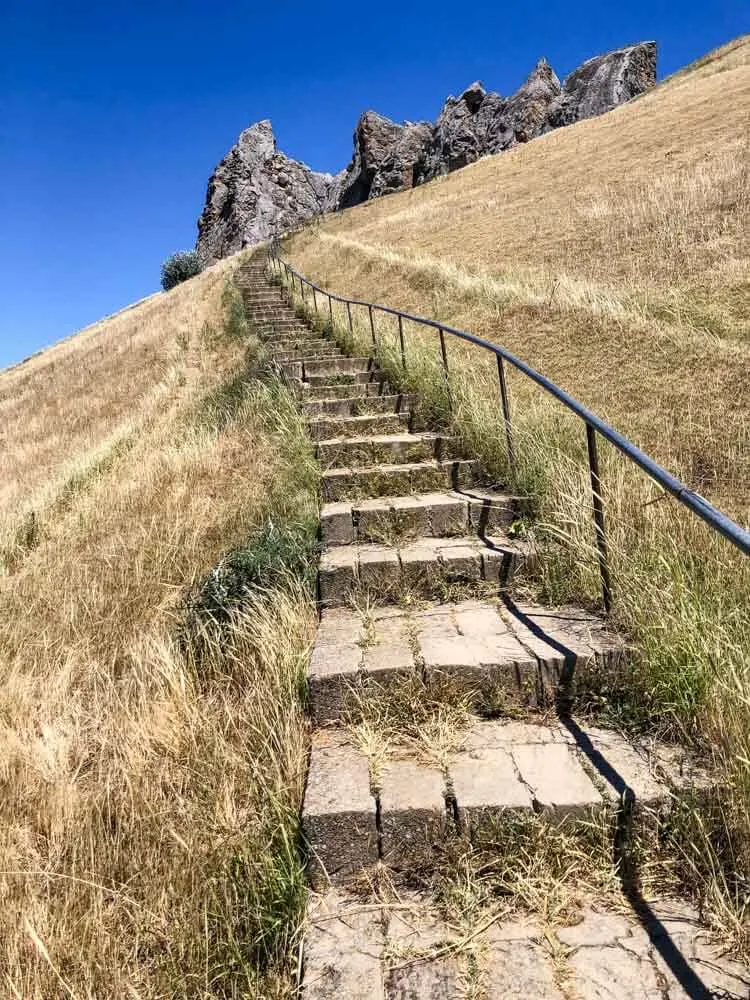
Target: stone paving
[494,651]
[406,522]
[358,812]
[404,951]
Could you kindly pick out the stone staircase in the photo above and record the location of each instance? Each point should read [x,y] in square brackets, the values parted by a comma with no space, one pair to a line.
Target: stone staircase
[416,609]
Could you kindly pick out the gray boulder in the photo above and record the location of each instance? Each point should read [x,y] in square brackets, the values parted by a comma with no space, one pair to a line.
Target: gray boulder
[255,192]
[387,157]
[603,83]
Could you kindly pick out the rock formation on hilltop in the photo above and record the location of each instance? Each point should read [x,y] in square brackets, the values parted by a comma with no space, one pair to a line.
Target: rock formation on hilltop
[256,191]
[386,158]
[602,83]
[478,123]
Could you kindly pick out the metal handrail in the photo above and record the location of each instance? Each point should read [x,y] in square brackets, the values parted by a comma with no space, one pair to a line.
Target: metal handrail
[724,525]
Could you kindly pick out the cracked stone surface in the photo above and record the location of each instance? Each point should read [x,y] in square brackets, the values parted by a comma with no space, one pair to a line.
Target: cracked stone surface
[406,951]
[501,767]
[479,644]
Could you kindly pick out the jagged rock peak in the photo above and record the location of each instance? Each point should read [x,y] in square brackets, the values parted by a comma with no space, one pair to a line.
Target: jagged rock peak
[604,82]
[473,96]
[256,191]
[386,157]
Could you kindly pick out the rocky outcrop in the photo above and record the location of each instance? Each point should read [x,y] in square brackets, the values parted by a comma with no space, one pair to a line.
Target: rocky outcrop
[603,83]
[257,191]
[478,123]
[387,157]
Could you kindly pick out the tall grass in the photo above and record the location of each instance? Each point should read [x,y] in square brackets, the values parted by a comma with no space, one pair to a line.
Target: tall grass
[153,644]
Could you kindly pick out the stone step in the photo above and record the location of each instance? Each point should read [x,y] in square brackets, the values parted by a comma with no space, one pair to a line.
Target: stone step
[367,374]
[424,566]
[343,365]
[398,480]
[377,386]
[364,948]
[358,406]
[342,427]
[279,321]
[279,311]
[302,339]
[399,810]
[301,355]
[433,514]
[253,297]
[497,654]
[384,449]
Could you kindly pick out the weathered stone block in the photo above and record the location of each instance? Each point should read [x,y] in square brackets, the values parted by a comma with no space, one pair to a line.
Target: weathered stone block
[418,563]
[412,811]
[373,519]
[332,671]
[556,778]
[379,568]
[460,562]
[411,516]
[485,781]
[435,978]
[343,950]
[338,814]
[520,970]
[337,574]
[337,527]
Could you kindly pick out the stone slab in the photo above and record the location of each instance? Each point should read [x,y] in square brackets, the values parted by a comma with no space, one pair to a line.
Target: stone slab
[343,949]
[621,766]
[614,974]
[520,970]
[556,778]
[337,527]
[412,811]
[485,781]
[338,813]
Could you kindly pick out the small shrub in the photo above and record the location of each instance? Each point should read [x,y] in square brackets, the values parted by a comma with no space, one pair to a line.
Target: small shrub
[179,267]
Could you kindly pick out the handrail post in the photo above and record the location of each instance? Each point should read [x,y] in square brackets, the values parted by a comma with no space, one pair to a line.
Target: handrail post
[330,312]
[401,339]
[506,415]
[372,330]
[601,537]
[349,314]
[315,301]
[444,353]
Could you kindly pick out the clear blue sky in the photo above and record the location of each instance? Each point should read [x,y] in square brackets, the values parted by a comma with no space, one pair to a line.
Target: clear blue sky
[112,115]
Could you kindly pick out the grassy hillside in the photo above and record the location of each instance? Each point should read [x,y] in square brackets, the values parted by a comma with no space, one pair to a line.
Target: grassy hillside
[614,256]
[146,824]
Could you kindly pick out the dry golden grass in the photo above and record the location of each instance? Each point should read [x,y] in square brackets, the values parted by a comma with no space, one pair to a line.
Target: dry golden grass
[149,787]
[67,408]
[613,256]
